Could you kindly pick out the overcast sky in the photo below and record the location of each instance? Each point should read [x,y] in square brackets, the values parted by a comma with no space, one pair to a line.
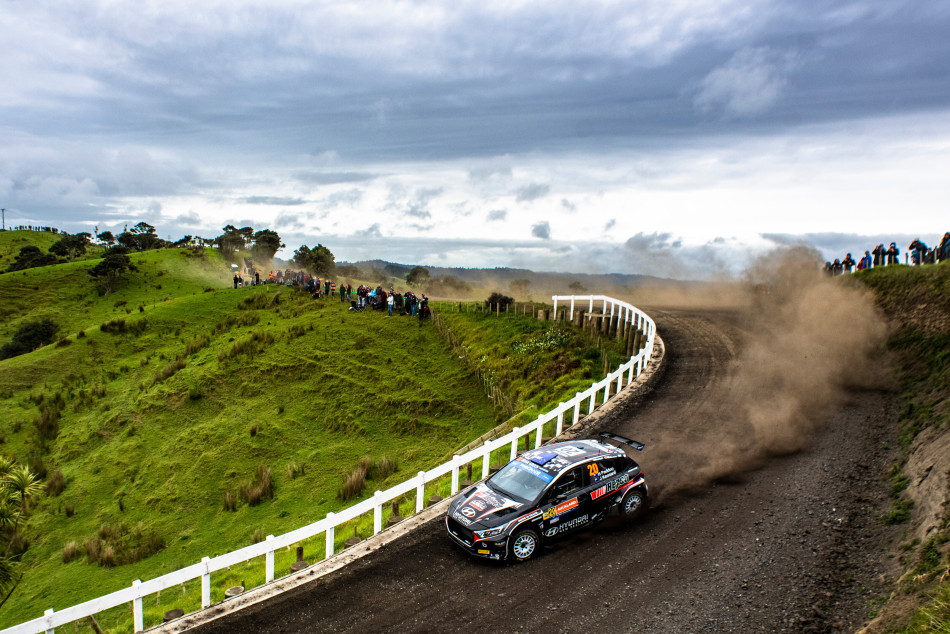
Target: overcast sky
[662,137]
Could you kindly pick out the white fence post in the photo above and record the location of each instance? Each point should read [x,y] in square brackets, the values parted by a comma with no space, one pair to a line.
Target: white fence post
[378,512]
[560,419]
[593,402]
[607,390]
[49,619]
[486,459]
[455,473]
[577,408]
[630,373]
[138,619]
[537,438]
[572,307]
[330,535]
[420,491]
[206,584]
[269,563]
[514,442]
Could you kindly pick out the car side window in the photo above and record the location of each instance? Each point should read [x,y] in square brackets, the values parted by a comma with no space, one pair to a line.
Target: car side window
[569,482]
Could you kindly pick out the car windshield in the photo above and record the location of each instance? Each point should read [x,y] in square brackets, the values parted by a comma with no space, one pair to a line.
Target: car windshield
[520,480]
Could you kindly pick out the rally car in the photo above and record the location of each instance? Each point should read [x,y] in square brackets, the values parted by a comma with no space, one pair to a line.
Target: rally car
[547,494]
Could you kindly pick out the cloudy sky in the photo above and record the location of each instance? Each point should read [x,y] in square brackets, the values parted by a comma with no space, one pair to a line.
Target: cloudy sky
[640,136]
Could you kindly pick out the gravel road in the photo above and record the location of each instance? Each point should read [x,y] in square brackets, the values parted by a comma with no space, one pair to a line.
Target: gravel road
[794,545]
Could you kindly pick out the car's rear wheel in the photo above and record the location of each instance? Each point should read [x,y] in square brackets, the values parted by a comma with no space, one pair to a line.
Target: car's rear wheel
[524,545]
[633,504]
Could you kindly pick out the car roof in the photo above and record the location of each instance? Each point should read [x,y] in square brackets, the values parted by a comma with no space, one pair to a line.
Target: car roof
[558,457]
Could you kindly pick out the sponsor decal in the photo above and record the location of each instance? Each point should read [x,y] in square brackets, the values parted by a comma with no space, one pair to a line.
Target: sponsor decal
[604,474]
[569,451]
[484,552]
[566,526]
[539,473]
[563,507]
[477,504]
[468,511]
[609,488]
[461,518]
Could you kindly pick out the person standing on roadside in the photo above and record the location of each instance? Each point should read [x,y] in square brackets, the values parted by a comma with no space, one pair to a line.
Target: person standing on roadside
[848,263]
[389,303]
[879,252]
[892,253]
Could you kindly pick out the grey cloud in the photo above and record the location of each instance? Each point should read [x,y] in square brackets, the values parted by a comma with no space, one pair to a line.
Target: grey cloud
[532,191]
[610,224]
[497,214]
[370,232]
[542,230]
[751,82]
[569,205]
[189,219]
[293,222]
[346,197]
[273,200]
[645,242]
[334,178]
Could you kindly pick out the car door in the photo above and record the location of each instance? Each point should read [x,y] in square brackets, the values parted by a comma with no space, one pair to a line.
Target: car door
[565,508]
[605,478]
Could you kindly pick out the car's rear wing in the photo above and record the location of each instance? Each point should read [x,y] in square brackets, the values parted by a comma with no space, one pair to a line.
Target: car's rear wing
[621,439]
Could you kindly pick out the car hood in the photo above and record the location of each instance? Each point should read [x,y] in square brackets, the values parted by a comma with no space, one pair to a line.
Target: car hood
[481,507]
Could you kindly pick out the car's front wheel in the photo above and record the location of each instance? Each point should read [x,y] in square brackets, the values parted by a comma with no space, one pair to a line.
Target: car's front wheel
[633,504]
[524,545]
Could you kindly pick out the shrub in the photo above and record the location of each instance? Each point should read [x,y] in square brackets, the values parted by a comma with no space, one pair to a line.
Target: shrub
[69,510]
[196,344]
[70,551]
[29,337]
[257,536]
[230,501]
[254,429]
[260,488]
[294,470]
[168,371]
[56,484]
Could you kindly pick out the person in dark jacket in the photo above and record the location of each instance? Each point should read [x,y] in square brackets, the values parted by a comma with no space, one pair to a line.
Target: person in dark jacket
[892,253]
[917,250]
[848,263]
[943,250]
[879,252]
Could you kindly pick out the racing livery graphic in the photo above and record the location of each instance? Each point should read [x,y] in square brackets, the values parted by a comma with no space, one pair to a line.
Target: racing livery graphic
[546,494]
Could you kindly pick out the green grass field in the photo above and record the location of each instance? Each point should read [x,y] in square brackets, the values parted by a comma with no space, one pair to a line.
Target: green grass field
[163,397]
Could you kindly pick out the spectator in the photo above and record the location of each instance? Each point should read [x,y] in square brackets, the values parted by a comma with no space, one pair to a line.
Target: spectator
[389,302]
[848,264]
[943,250]
[879,253]
[917,250]
[865,262]
[892,253]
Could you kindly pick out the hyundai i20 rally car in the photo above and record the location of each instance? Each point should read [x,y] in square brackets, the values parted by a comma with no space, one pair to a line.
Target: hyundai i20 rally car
[545,495]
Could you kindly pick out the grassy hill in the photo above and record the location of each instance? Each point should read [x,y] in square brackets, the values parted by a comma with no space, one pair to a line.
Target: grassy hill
[917,302]
[177,417]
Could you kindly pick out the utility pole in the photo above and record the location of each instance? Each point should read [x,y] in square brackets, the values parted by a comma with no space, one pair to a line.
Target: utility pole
[3,212]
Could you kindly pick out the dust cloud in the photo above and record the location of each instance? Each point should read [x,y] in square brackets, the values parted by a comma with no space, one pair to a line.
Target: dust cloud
[806,340]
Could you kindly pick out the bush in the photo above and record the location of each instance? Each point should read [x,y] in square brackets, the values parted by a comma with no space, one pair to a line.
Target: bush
[498,302]
[29,337]
[56,484]
[70,551]
[260,488]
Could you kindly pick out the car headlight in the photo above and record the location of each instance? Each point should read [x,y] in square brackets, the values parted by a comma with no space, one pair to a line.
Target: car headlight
[490,532]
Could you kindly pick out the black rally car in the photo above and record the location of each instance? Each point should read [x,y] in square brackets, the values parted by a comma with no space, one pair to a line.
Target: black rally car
[546,494]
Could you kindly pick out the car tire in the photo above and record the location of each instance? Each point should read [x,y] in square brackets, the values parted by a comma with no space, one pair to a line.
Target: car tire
[633,504]
[524,545]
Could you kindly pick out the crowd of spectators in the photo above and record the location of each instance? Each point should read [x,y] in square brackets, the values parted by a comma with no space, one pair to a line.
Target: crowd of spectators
[918,253]
[407,303]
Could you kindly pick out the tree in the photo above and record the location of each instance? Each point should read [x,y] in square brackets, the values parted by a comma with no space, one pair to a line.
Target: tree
[145,236]
[107,238]
[417,276]
[229,241]
[319,260]
[31,257]
[17,487]
[112,267]
[29,337]
[266,244]
[70,246]
[577,287]
[247,235]
[498,302]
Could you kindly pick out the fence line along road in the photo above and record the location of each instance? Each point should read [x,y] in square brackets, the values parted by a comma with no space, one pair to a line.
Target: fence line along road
[622,317]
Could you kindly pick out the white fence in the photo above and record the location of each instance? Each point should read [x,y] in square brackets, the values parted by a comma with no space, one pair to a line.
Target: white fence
[618,379]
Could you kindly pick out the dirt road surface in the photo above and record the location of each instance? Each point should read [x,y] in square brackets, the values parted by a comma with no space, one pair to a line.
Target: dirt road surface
[792,546]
